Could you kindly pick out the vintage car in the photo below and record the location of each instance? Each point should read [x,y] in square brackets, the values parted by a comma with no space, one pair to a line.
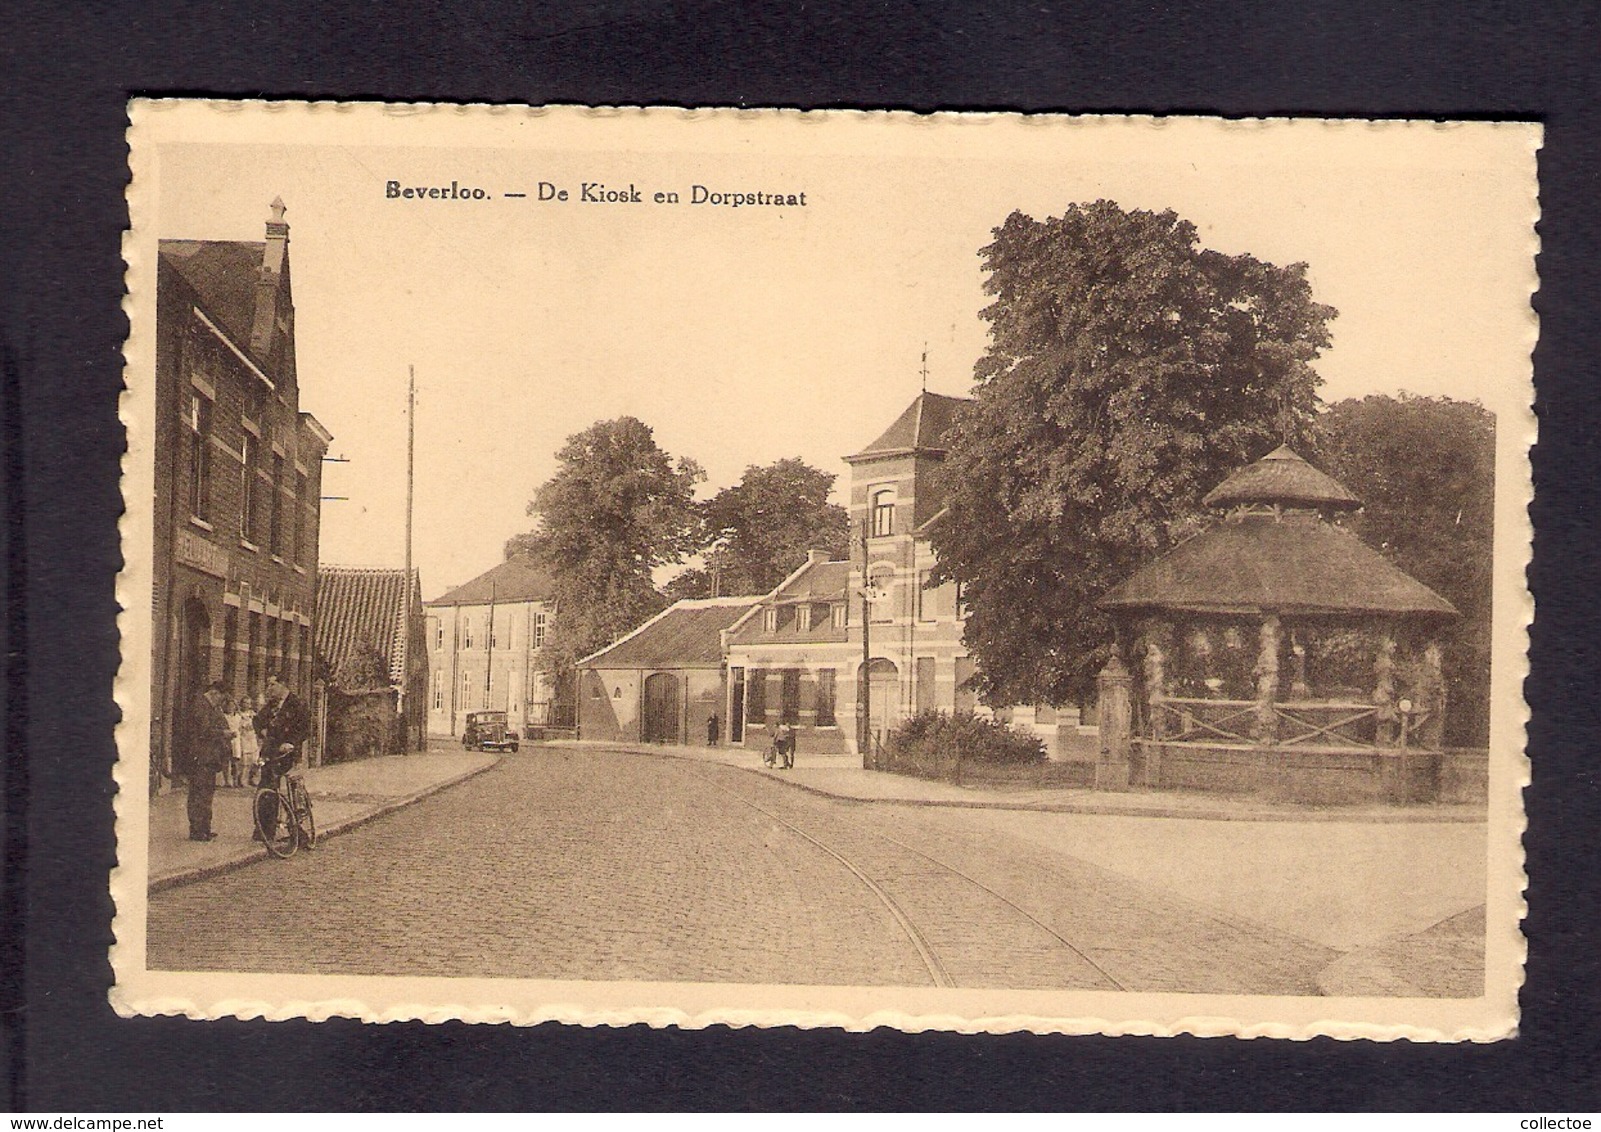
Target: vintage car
[487,731]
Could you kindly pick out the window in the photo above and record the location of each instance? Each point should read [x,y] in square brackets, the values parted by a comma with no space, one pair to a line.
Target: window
[466,632]
[247,486]
[494,632]
[770,619]
[966,699]
[840,614]
[513,687]
[466,689]
[756,696]
[297,521]
[825,697]
[275,531]
[803,618]
[198,421]
[883,584]
[883,511]
[439,633]
[439,690]
[539,629]
[230,648]
[789,696]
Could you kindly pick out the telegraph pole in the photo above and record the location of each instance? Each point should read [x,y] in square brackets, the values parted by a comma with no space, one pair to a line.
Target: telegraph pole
[864,682]
[411,452]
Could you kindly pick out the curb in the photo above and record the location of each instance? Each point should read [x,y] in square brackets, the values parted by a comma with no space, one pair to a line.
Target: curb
[343,826]
[1402,816]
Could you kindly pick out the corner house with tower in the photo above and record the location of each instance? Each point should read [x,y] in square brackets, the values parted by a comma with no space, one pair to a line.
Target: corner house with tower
[238,480]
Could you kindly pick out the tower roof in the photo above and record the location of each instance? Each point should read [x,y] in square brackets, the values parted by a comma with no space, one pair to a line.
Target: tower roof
[921,428]
[1284,478]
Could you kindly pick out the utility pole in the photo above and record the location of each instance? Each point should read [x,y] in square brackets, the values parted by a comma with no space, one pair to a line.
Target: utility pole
[411,451]
[489,657]
[864,682]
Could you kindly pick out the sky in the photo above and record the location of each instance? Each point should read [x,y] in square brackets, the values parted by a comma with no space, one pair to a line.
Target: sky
[745,335]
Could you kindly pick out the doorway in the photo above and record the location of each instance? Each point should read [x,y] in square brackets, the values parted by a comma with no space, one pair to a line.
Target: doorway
[661,722]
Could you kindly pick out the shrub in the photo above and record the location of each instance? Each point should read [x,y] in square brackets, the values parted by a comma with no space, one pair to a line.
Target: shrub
[932,739]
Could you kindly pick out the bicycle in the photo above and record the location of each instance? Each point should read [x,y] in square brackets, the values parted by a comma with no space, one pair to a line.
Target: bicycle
[293,823]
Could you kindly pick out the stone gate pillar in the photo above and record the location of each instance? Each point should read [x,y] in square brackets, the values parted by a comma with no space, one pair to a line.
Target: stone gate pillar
[1115,686]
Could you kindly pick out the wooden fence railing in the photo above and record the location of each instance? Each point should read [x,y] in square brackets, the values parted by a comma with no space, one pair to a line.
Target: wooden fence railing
[1290,724]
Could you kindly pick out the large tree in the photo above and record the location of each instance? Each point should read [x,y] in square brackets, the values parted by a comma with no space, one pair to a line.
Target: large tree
[617,508]
[1129,370]
[760,529]
[1424,468]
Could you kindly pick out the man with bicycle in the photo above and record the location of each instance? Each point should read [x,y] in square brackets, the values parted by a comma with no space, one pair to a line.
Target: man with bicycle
[283,725]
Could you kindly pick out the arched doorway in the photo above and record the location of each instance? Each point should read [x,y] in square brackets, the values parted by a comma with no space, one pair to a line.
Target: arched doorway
[661,722]
[883,698]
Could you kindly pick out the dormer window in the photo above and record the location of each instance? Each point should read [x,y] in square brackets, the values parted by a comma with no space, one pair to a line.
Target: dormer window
[803,618]
[770,619]
[839,615]
[883,511]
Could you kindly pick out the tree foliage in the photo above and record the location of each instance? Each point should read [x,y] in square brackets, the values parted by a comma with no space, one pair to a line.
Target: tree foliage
[1424,468]
[1129,371]
[759,530]
[617,508]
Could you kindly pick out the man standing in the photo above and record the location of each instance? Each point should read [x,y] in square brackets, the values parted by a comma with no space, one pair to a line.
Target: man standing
[208,742]
[283,724]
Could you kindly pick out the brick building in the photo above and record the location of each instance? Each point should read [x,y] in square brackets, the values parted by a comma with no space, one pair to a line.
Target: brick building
[663,681]
[238,478]
[797,655]
[483,641]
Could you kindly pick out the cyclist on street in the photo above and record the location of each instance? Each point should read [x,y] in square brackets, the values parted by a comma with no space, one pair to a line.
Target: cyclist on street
[283,725]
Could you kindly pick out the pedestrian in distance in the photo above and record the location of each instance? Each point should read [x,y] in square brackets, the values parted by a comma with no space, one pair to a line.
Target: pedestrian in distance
[282,725]
[207,747]
[786,745]
[714,730]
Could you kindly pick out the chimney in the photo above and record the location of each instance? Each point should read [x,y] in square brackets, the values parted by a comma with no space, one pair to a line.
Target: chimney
[273,257]
[813,557]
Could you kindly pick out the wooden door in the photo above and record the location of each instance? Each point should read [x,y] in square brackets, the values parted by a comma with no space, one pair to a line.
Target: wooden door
[661,722]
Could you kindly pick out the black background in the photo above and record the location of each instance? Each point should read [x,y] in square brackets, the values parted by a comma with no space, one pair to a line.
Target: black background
[67,69]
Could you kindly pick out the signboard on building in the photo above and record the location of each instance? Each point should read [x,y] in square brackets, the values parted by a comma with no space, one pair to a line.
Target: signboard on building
[196,552]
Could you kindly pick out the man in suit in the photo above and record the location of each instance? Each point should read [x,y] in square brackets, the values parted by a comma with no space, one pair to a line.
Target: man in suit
[283,724]
[208,743]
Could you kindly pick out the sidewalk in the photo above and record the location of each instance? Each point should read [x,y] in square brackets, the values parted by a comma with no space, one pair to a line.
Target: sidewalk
[346,795]
[842,776]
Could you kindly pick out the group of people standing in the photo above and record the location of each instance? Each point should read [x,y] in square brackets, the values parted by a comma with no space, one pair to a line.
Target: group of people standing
[246,748]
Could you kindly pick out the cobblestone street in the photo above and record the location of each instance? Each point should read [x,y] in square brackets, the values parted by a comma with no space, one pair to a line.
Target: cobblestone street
[591,864]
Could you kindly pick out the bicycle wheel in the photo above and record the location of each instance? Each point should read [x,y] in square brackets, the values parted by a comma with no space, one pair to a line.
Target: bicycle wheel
[280,839]
[308,824]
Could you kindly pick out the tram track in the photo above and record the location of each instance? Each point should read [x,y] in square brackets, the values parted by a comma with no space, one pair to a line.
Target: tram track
[911,893]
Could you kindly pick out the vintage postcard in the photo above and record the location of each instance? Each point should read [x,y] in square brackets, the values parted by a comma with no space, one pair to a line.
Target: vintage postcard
[965,571]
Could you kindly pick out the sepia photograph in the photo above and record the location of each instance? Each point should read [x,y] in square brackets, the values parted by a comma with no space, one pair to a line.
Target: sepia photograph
[982,572]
